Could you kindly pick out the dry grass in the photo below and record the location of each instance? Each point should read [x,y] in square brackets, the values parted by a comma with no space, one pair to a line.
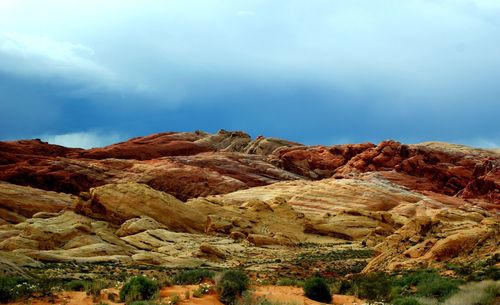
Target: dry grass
[482,293]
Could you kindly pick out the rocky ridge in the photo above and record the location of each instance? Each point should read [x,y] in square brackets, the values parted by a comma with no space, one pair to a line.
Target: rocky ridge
[187,199]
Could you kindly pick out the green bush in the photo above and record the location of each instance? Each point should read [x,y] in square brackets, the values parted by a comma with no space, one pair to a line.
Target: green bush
[405,301]
[437,287]
[285,281]
[94,288]
[478,293]
[374,286]
[13,288]
[192,277]
[424,283]
[77,285]
[316,289]
[174,299]
[231,285]
[139,288]
[202,290]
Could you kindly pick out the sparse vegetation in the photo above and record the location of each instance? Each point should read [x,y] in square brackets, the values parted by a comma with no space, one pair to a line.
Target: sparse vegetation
[477,293]
[139,288]
[192,277]
[202,290]
[286,281]
[77,285]
[317,289]
[174,300]
[15,288]
[231,285]
[406,301]
[425,283]
[94,288]
[374,286]
[249,298]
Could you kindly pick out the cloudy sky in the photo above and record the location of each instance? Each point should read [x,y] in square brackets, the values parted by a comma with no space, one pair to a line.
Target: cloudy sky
[91,72]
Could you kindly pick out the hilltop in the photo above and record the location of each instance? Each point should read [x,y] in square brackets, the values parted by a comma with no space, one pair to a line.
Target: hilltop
[269,205]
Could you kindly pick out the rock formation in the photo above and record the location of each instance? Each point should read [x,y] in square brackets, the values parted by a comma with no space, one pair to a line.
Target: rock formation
[224,199]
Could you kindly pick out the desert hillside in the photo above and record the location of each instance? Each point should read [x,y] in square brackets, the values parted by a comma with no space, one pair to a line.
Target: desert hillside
[225,199]
[273,207]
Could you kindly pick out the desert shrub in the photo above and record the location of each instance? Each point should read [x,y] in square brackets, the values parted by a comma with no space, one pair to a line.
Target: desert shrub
[174,300]
[478,293]
[192,277]
[405,301]
[424,283]
[13,288]
[77,285]
[489,273]
[231,285]
[437,287]
[373,286]
[317,289]
[139,288]
[286,281]
[202,290]
[164,282]
[94,288]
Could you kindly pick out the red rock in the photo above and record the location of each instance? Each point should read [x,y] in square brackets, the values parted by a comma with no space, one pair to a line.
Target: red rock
[18,151]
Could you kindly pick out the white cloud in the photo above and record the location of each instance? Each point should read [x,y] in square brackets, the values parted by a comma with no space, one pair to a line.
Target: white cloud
[83,139]
[44,56]
[482,143]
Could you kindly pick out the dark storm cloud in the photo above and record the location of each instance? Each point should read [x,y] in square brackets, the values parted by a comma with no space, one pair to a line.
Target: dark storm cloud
[90,72]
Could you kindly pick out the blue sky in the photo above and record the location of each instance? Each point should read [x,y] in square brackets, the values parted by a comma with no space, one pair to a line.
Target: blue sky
[90,73]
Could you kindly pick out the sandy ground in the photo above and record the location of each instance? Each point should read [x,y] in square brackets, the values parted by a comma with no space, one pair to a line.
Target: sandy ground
[282,294]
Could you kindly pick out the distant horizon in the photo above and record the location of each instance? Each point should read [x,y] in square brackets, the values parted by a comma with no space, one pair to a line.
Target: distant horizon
[70,141]
[91,73]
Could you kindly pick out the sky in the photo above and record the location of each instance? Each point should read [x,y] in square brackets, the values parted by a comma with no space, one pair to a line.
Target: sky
[88,73]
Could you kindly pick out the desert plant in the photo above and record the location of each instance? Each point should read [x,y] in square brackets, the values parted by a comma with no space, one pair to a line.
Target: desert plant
[317,289]
[372,286]
[286,281]
[438,287]
[77,285]
[202,290]
[477,293]
[192,277]
[405,301]
[94,289]
[231,285]
[139,288]
[13,288]
[174,300]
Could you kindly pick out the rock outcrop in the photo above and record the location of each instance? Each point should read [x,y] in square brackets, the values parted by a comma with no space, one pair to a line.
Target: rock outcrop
[224,199]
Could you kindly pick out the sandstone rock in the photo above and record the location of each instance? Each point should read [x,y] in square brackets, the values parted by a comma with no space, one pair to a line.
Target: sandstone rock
[117,203]
[26,201]
[138,225]
[210,251]
[260,240]
[9,269]
[266,146]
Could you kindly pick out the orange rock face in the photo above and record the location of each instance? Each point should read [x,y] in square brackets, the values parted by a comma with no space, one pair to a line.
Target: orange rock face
[182,199]
[445,170]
